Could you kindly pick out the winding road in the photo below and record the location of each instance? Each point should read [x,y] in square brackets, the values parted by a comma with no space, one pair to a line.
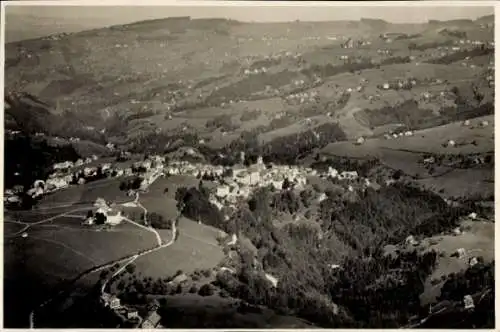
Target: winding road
[127,260]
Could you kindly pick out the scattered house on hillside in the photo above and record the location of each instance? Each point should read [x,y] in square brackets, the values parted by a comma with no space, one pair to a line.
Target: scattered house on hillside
[34,192]
[451,143]
[224,269]
[114,302]
[231,241]
[151,321]
[473,261]
[457,231]
[410,241]
[132,314]
[360,140]
[333,266]
[430,160]
[484,123]
[322,197]
[13,199]
[272,280]
[468,302]
[460,253]
[473,215]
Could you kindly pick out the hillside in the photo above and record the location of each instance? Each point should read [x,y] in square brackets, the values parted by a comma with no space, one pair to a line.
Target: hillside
[299,174]
[156,88]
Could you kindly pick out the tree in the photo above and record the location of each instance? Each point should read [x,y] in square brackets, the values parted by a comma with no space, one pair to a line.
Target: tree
[90,214]
[100,218]
[206,290]
[286,184]
[130,268]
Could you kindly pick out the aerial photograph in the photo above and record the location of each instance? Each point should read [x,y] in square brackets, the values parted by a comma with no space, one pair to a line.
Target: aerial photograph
[248,166]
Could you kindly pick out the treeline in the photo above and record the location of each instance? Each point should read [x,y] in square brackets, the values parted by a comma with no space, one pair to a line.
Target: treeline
[461,55]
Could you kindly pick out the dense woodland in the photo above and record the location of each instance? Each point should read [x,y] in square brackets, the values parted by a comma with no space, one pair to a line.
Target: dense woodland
[369,289]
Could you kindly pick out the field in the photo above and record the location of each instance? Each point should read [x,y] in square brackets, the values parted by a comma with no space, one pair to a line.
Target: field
[163,86]
[158,201]
[86,194]
[196,248]
[478,240]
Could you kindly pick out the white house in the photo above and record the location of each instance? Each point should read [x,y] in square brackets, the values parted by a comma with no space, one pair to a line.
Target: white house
[222,191]
[272,280]
[114,217]
[468,302]
[56,183]
[63,165]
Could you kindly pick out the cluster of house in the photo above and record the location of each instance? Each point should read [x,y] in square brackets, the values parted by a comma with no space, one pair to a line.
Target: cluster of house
[255,71]
[150,321]
[392,135]
[242,181]
[302,97]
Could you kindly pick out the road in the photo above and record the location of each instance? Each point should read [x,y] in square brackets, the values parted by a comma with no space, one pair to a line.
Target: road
[28,224]
[128,259]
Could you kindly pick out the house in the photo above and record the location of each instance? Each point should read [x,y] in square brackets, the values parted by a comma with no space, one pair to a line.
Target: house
[473,261]
[473,215]
[468,302]
[179,279]
[105,298]
[151,321]
[410,241]
[13,199]
[349,175]
[114,217]
[114,302]
[430,160]
[89,221]
[233,240]
[272,280]
[56,183]
[222,191]
[132,314]
[460,252]
[33,192]
[63,166]
[360,140]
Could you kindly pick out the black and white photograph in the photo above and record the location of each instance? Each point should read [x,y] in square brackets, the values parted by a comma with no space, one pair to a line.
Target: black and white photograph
[248,165]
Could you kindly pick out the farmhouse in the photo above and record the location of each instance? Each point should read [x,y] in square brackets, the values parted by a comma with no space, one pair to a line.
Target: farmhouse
[113,217]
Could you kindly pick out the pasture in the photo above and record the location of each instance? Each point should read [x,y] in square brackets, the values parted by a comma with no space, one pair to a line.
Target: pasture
[188,253]
[160,197]
[478,240]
